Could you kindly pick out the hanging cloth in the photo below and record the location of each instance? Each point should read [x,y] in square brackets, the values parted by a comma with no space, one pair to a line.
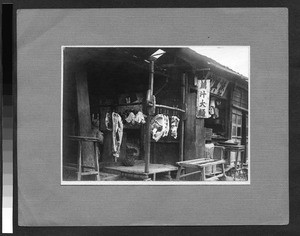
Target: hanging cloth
[117,134]
[174,126]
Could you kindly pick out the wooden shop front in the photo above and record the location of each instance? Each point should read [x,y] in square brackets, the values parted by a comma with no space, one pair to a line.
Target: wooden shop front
[138,85]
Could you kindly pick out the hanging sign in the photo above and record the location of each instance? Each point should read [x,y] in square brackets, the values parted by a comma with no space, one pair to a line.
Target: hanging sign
[203,93]
[218,86]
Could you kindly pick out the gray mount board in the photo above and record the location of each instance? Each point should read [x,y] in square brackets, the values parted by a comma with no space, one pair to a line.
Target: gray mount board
[43,201]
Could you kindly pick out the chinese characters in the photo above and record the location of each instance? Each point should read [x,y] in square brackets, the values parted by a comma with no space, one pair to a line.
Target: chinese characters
[203,93]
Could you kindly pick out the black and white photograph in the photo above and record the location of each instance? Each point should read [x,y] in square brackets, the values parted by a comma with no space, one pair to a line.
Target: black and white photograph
[146,115]
[151,117]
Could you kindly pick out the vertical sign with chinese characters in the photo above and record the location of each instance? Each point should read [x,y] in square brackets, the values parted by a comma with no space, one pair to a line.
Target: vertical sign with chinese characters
[203,93]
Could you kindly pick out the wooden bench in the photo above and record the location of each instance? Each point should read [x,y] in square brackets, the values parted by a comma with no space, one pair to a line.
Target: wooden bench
[199,165]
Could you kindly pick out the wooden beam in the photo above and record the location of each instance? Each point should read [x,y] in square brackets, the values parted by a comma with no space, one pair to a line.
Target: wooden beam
[170,108]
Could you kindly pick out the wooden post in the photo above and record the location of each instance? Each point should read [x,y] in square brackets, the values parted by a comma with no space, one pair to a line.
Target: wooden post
[200,138]
[235,163]
[151,77]
[96,161]
[194,131]
[79,161]
[244,138]
[147,144]
[178,173]
[183,95]
[202,178]
[200,133]
[147,140]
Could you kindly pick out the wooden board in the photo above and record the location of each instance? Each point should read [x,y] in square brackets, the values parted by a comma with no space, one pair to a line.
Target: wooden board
[84,117]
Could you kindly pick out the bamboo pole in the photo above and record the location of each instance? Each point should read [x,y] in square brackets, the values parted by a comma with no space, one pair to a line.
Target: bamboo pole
[170,108]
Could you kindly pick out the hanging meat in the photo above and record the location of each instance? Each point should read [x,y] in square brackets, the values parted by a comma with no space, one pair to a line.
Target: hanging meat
[108,122]
[174,126]
[117,134]
[130,118]
[160,126]
[167,126]
[140,118]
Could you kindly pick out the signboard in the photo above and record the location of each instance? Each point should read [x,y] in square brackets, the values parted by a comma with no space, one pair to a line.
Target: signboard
[203,94]
[218,85]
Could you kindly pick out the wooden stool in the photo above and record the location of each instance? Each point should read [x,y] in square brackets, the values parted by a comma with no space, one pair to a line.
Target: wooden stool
[81,168]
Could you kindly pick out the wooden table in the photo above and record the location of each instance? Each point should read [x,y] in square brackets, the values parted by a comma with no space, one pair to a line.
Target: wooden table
[199,165]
